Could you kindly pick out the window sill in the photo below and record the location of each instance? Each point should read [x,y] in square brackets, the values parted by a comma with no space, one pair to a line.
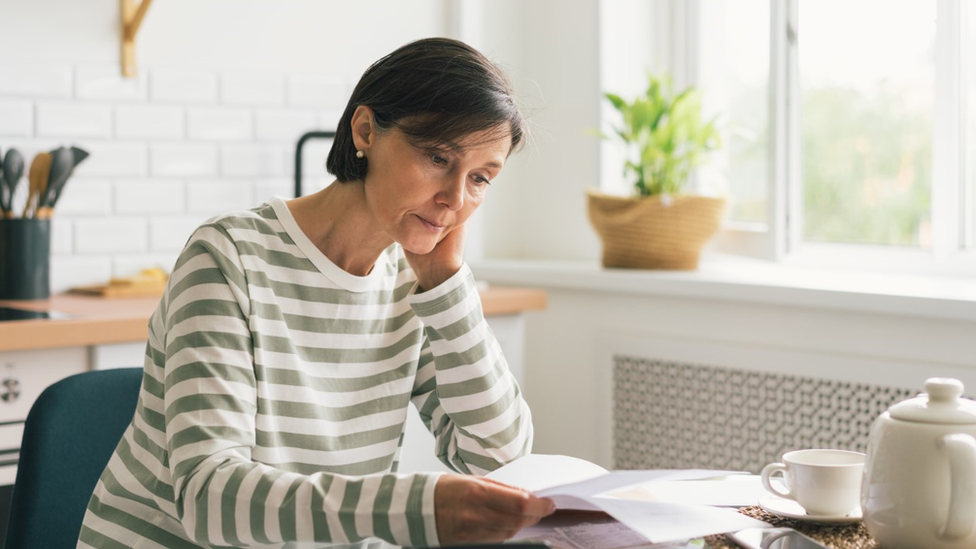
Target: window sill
[727,278]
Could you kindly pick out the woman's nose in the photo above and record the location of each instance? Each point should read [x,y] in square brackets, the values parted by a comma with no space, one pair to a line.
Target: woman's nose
[452,195]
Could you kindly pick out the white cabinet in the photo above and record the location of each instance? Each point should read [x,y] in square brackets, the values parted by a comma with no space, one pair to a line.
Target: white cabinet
[117,355]
[23,376]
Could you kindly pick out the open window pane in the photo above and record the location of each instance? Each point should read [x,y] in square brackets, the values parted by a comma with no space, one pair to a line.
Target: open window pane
[867,84]
[970,57]
[734,78]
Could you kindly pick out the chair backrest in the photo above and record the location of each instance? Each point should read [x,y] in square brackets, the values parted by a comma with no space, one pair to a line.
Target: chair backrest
[69,436]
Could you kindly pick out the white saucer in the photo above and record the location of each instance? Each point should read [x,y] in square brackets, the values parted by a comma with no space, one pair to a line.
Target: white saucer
[790,509]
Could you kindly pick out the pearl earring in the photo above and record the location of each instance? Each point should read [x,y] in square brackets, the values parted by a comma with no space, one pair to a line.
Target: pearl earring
[360,154]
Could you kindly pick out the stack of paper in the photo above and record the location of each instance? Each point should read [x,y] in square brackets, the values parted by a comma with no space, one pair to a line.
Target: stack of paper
[573,483]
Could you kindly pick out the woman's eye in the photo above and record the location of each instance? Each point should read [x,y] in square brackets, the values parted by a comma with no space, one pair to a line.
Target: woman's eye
[437,159]
[481,180]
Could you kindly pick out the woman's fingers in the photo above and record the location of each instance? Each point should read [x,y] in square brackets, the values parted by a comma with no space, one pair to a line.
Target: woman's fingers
[476,509]
[515,501]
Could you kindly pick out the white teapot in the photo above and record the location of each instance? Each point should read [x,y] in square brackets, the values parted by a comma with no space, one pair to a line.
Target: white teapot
[919,486]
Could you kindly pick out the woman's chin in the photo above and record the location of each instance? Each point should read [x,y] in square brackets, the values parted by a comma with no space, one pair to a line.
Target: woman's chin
[418,247]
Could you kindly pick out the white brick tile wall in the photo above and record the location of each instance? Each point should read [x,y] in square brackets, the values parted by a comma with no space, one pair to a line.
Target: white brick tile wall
[267,187]
[149,196]
[169,234]
[313,90]
[73,120]
[70,271]
[83,196]
[107,82]
[252,88]
[314,154]
[35,80]
[113,158]
[183,159]
[16,118]
[183,86]
[61,236]
[329,118]
[149,122]
[282,125]
[314,184]
[252,160]
[169,149]
[214,196]
[216,124]
[116,234]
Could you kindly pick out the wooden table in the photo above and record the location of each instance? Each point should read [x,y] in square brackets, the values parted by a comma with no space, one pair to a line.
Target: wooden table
[98,320]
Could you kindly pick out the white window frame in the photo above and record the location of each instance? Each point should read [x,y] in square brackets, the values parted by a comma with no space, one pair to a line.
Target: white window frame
[781,239]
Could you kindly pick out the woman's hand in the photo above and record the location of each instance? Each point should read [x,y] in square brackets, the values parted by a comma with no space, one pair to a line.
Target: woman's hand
[441,263]
[475,509]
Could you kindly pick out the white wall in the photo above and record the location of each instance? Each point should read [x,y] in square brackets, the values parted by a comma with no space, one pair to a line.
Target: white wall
[537,208]
[225,88]
[570,348]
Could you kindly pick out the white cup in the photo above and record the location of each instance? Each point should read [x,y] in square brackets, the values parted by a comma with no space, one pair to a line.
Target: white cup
[823,482]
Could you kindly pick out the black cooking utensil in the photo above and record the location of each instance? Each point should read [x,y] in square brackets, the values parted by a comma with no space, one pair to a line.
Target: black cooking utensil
[13,170]
[64,161]
[62,164]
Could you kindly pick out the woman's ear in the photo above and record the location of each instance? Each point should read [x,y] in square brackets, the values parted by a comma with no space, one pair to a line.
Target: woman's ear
[363,130]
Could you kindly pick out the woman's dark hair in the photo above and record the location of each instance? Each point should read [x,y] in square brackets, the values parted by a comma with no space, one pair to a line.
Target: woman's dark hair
[436,91]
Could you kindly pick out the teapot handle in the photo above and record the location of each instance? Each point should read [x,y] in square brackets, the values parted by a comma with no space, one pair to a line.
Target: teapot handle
[961,450]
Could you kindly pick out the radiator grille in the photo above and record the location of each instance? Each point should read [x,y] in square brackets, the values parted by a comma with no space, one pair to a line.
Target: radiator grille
[673,415]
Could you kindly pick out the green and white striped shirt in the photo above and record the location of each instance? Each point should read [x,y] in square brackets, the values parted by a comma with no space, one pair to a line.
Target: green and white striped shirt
[275,395]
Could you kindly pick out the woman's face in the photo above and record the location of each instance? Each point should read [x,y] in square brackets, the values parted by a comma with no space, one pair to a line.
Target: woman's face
[419,194]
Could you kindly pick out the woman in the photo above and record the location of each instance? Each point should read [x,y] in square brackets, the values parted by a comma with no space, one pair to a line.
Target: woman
[292,338]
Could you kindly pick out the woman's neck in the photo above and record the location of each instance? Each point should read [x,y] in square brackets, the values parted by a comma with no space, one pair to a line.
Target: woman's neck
[339,223]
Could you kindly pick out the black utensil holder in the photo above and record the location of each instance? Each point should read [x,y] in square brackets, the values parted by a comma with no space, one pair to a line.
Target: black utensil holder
[25,258]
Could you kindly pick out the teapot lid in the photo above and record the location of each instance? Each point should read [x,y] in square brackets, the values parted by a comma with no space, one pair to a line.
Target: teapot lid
[941,403]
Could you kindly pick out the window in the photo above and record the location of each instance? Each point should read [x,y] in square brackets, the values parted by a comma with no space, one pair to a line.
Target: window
[850,127]
[969,60]
[733,70]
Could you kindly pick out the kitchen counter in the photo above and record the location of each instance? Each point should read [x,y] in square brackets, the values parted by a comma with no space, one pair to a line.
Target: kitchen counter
[97,321]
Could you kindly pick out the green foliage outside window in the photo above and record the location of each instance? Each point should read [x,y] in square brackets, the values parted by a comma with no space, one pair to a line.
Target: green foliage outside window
[866,168]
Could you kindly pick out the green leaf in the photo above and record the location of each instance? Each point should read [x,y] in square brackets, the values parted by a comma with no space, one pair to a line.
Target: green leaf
[663,135]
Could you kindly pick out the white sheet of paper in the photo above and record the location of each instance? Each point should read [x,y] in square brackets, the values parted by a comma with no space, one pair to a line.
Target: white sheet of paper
[733,491]
[622,479]
[662,522]
[657,521]
[540,471]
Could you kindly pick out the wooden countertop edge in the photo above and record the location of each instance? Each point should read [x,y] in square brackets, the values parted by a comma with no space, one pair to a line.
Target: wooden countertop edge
[120,320]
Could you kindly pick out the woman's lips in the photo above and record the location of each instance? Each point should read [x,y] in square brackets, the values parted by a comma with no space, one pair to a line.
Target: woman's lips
[430,224]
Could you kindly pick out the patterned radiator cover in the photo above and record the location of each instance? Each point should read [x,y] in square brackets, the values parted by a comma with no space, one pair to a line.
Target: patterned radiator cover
[672,415]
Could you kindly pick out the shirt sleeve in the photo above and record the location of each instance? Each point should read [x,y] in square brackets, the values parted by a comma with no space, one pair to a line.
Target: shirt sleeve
[464,391]
[222,496]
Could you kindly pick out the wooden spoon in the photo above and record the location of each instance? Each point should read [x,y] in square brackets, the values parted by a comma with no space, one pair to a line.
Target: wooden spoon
[62,162]
[37,179]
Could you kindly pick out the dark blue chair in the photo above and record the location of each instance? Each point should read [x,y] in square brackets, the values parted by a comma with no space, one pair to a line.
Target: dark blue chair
[70,434]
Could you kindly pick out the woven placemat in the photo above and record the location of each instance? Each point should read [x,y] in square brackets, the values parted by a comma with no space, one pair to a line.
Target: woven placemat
[841,536]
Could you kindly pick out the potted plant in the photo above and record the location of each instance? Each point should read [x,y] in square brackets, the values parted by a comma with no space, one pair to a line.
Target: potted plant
[664,138]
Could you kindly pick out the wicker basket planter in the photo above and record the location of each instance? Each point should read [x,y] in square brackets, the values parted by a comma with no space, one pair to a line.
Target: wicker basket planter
[648,233]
